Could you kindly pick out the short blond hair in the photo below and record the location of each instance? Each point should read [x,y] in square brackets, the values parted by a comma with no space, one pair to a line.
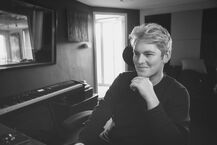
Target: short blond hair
[152,33]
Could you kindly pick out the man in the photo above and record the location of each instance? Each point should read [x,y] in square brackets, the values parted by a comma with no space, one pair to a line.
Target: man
[145,107]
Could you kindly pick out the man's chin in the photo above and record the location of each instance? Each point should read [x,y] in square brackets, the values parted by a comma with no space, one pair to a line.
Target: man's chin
[142,74]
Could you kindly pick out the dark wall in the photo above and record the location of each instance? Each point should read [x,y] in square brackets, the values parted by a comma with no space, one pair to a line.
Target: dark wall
[72,62]
[162,19]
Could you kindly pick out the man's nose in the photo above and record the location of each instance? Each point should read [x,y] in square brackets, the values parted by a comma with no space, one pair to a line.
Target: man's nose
[141,58]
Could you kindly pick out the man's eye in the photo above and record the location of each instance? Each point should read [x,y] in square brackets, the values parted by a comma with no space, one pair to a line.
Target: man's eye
[149,54]
[136,53]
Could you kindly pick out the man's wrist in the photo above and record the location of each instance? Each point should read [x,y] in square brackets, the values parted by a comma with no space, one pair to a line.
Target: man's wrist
[152,103]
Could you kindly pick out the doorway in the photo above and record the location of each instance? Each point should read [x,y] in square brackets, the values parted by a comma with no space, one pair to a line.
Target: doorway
[110,41]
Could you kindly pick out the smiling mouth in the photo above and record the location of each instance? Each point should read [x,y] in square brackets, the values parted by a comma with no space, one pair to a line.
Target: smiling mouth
[142,68]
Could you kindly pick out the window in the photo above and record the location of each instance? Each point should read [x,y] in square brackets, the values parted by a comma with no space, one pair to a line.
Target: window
[14,47]
[110,41]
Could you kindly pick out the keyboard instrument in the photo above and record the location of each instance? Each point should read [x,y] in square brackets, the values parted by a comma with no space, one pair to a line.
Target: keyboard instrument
[10,103]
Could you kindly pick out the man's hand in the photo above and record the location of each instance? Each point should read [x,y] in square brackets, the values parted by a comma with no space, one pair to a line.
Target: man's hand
[145,88]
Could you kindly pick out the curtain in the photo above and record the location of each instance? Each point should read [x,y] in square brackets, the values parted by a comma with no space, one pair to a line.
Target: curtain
[37,29]
[35,21]
[208,50]
[209,37]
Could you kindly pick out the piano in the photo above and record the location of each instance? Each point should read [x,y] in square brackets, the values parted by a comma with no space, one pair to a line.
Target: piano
[45,108]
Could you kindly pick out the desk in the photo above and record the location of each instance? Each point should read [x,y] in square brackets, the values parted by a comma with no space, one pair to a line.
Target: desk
[4,130]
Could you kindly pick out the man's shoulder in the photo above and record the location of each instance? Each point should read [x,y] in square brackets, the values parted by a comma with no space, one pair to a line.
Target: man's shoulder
[128,74]
[126,77]
[176,91]
[174,82]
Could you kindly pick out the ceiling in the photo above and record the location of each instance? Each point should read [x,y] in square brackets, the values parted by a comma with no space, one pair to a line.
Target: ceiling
[146,4]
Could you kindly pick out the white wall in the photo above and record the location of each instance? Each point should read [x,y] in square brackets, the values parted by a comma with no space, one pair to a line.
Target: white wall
[186,35]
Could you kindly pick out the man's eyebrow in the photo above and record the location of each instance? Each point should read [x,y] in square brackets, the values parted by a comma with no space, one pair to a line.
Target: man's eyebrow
[147,51]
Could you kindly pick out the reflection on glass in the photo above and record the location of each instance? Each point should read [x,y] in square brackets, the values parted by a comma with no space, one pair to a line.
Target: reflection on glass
[14,39]
[27,35]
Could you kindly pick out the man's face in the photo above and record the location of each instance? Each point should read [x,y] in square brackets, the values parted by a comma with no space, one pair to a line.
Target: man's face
[148,60]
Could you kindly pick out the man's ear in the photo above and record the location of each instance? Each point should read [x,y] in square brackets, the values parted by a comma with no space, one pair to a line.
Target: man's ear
[167,56]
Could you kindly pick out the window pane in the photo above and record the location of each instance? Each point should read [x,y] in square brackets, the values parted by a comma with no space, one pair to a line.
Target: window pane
[3,52]
[27,49]
[108,59]
[98,51]
[15,47]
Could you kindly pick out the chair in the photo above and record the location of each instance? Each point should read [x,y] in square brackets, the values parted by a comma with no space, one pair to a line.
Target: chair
[127,56]
[194,77]
[195,64]
[74,123]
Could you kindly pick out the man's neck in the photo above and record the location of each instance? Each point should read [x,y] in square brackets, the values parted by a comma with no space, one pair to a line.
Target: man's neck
[156,78]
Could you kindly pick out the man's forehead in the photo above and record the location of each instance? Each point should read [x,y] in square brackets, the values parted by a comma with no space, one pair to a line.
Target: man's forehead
[143,47]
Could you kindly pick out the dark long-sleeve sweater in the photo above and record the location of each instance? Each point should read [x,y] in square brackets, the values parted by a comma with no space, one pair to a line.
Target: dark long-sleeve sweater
[166,124]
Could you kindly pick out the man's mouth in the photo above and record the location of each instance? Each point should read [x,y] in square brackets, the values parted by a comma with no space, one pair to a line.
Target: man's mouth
[142,67]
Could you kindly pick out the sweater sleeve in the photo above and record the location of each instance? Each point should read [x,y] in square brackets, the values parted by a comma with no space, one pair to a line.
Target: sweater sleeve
[169,124]
[101,114]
